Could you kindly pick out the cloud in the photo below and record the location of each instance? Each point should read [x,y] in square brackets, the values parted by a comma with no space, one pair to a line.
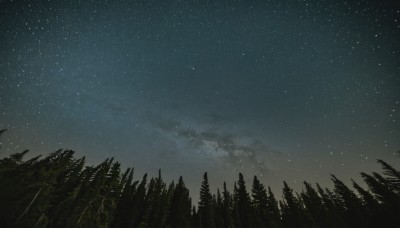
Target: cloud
[240,151]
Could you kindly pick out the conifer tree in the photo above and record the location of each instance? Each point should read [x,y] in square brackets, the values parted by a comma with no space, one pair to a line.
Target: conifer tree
[260,204]
[293,213]
[181,205]
[218,210]
[370,204]
[58,190]
[235,207]
[125,202]
[389,201]
[244,204]
[195,220]
[313,203]
[393,176]
[350,204]
[133,210]
[205,210]
[157,203]
[227,208]
[273,211]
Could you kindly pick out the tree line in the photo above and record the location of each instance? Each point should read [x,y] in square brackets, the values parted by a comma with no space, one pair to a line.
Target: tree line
[59,190]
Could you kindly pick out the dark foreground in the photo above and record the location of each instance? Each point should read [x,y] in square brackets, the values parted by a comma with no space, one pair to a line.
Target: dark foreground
[60,191]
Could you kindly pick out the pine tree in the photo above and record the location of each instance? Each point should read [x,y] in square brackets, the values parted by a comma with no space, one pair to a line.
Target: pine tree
[227,208]
[66,193]
[130,210]
[10,191]
[244,207]
[45,176]
[260,204]
[218,210]
[235,207]
[125,202]
[334,214]
[390,202]
[60,191]
[156,203]
[181,205]
[205,210]
[392,176]
[94,206]
[274,213]
[293,213]
[351,206]
[370,204]
[195,220]
[314,205]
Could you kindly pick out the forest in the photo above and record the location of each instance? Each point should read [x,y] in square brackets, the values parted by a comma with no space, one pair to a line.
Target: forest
[60,190]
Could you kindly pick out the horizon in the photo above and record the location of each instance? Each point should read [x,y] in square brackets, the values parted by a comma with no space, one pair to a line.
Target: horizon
[195,195]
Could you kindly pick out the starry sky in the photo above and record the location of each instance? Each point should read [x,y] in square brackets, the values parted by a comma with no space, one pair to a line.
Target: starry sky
[285,90]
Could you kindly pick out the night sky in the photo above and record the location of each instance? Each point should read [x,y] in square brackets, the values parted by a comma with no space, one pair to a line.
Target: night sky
[286,90]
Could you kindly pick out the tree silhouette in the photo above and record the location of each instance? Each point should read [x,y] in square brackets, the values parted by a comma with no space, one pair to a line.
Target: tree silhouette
[260,204]
[180,210]
[205,211]
[293,211]
[227,208]
[59,190]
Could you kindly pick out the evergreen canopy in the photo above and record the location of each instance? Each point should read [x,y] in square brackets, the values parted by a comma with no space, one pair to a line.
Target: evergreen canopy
[59,190]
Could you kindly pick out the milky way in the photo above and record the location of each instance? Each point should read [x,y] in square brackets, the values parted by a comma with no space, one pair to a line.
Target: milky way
[286,91]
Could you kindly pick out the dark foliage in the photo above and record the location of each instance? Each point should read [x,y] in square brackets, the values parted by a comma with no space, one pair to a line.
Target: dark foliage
[60,191]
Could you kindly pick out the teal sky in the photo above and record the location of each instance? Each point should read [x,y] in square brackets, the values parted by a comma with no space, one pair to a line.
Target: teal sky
[286,91]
